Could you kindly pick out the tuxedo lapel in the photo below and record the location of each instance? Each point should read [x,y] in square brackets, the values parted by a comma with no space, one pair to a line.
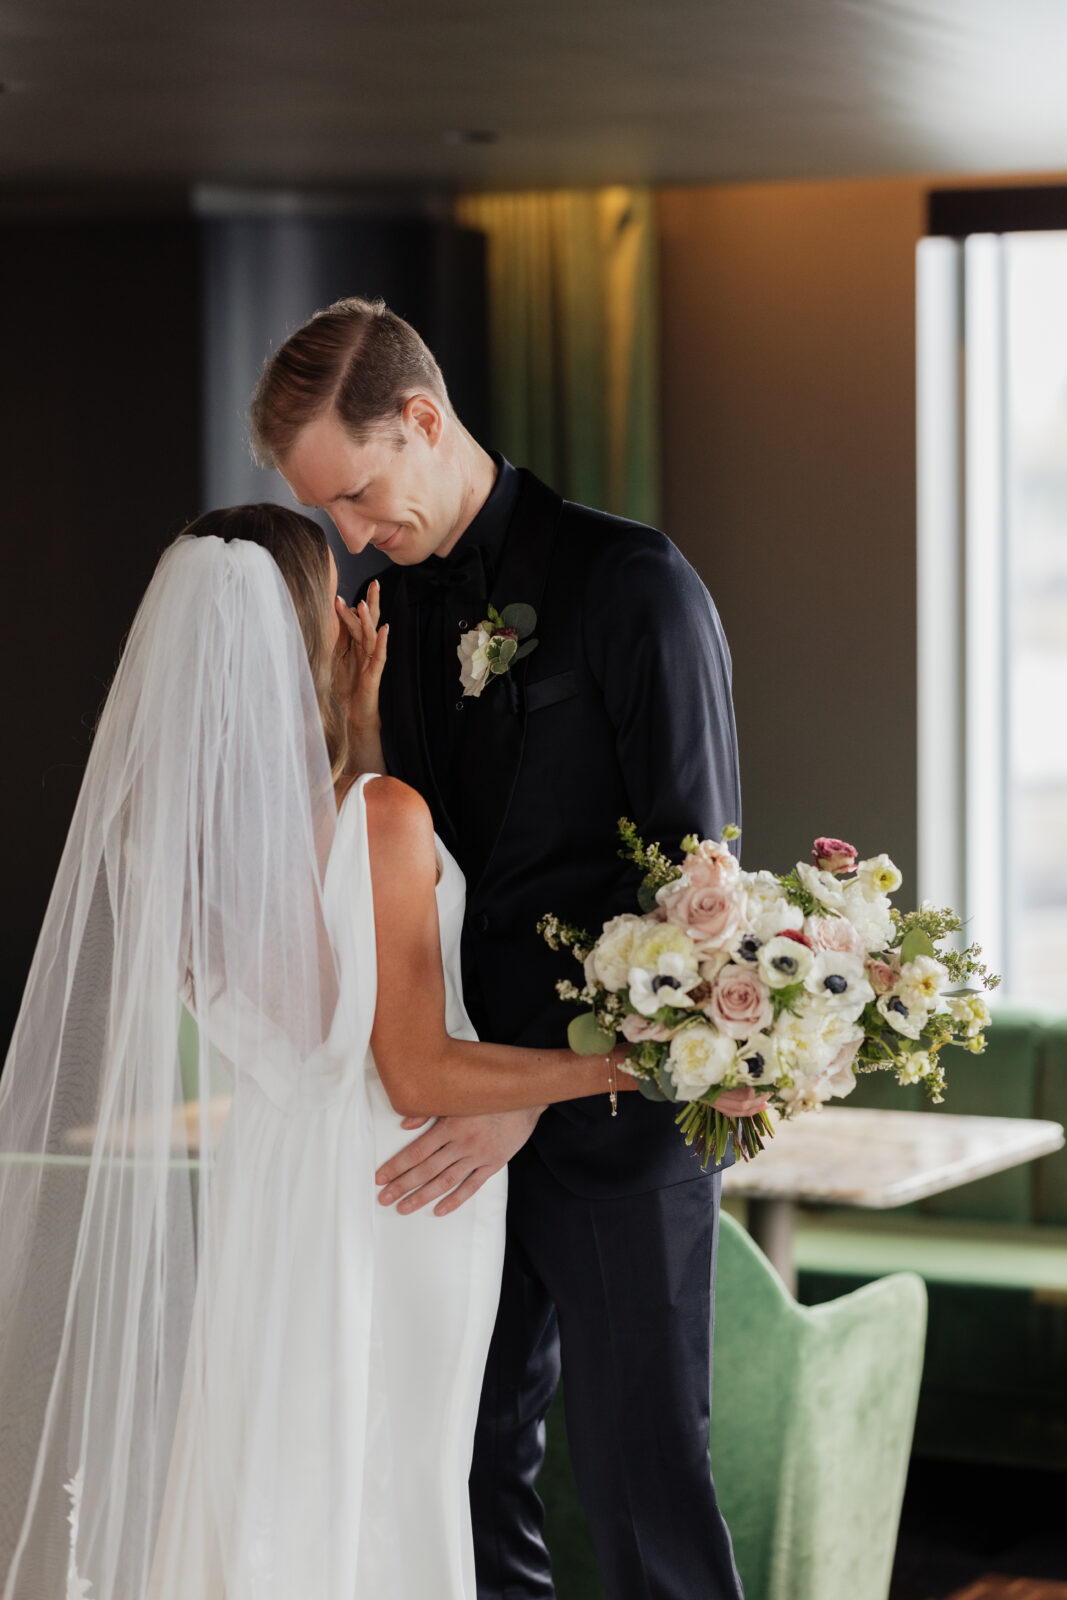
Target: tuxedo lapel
[495,725]
[403,719]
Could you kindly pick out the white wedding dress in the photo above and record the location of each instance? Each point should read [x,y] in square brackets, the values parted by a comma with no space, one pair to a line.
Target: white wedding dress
[356,1489]
[436,1286]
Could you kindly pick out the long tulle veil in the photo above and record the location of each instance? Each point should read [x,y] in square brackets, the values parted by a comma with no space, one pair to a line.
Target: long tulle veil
[183,979]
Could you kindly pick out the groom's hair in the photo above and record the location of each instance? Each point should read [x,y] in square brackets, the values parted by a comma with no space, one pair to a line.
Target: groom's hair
[357,359]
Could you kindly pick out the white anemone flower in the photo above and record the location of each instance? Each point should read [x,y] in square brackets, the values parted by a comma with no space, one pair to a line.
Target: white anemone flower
[782,962]
[668,985]
[757,1060]
[905,1018]
[839,982]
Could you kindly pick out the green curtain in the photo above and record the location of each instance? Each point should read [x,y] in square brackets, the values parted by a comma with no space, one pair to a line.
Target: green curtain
[573,340]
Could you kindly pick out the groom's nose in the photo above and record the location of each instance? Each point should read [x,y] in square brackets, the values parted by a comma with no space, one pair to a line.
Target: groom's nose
[356,530]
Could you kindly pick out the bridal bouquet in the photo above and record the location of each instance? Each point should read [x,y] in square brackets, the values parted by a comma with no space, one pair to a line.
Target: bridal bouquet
[782,986]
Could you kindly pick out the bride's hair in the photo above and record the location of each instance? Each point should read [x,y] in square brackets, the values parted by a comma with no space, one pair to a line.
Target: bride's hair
[299,550]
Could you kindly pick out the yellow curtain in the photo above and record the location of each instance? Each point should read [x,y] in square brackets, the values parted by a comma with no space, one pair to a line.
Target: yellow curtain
[573,349]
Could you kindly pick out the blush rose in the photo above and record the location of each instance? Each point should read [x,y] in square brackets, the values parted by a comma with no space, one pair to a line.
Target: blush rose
[709,913]
[740,1004]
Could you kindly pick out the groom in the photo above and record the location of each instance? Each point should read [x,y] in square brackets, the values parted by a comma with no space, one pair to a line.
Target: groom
[622,709]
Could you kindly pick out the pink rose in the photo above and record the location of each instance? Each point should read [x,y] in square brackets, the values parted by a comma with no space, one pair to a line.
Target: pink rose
[835,935]
[834,855]
[711,916]
[740,1003]
[637,1029]
[711,866]
[881,976]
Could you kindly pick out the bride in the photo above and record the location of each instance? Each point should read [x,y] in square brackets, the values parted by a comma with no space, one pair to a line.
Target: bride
[225,1370]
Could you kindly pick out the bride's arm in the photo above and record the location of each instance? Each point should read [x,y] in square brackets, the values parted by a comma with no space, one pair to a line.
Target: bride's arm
[424,1070]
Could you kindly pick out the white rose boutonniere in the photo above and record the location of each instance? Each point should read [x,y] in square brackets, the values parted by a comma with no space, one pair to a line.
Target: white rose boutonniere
[493,647]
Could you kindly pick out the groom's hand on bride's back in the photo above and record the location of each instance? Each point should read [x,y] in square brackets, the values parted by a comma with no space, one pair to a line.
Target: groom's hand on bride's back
[452,1159]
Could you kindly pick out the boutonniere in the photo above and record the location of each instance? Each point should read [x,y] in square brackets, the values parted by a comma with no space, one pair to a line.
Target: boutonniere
[494,646]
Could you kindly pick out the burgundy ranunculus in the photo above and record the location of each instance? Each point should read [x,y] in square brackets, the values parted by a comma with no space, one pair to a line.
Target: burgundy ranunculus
[796,935]
[834,855]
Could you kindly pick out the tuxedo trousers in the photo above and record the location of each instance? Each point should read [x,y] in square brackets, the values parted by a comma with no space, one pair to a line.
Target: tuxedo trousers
[618,1295]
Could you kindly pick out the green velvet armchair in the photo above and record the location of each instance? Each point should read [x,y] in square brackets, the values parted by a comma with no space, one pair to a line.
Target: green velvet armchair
[812,1418]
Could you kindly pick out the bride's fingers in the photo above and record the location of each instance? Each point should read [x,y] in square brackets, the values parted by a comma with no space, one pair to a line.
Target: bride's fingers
[372,638]
[374,602]
[349,619]
[376,664]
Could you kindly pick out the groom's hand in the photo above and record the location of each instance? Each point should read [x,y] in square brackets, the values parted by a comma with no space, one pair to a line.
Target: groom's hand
[453,1158]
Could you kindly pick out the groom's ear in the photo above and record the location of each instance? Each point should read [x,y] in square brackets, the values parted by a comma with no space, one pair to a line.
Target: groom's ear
[423,415]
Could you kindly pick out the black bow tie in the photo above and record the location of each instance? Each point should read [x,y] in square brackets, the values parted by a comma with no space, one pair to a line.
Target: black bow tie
[436,578]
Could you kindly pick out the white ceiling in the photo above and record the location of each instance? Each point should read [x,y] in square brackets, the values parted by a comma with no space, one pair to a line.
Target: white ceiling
[579,91]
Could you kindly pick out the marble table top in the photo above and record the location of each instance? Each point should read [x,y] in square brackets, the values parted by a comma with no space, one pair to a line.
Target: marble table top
[137,1136]
[879,1159]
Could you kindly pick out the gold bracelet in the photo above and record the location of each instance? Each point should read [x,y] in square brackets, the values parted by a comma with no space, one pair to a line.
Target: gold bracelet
[613,1093]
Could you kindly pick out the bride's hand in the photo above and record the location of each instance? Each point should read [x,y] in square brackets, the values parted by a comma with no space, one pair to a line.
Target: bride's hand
[359,661]
[745,1102]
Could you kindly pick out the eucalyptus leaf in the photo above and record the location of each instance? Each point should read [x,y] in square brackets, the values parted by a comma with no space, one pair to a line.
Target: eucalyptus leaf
[666,1086]
[646,897]
[587,1038]
[525,649]
[650,1089]
[521,617]
[916,943]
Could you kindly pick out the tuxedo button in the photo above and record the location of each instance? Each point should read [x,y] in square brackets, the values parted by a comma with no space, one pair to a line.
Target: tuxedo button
[464,625]
[460,704]
[480,922]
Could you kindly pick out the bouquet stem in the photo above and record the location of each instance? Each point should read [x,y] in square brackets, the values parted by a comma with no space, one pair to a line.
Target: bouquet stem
[710,1132]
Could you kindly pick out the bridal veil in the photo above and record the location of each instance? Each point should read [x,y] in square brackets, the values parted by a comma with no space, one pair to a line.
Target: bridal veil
[177,1356]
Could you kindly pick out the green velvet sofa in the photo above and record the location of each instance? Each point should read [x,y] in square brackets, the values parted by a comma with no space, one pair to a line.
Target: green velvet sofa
[993,1255]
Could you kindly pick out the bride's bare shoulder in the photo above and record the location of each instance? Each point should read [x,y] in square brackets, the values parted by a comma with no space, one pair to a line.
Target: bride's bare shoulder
[398,818]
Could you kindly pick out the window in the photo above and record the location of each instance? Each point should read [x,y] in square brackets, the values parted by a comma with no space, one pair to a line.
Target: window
[992,417]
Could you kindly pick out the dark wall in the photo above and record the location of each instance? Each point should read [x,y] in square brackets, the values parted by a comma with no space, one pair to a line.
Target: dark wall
[129,351]
[99,446]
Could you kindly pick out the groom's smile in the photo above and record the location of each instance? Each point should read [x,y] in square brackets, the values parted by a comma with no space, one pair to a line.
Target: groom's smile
[406,488]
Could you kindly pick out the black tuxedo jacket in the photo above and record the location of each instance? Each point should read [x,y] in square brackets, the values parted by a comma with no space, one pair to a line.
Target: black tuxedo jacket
[624,709]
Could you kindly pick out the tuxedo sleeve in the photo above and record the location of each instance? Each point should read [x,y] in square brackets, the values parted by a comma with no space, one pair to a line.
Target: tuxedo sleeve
[657,647]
